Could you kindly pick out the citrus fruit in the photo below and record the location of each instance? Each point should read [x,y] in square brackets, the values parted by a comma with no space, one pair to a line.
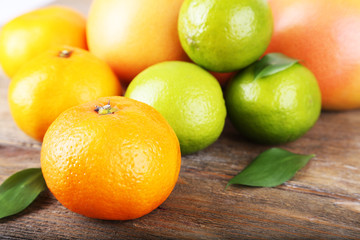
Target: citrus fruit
[33,33]
[325,35]
[54,81]
[225,35]
[133,35]
[188,97]
[273,109]
[117,161]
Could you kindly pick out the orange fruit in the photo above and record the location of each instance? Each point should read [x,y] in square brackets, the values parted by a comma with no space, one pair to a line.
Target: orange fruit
[33,33]
[55,81]
[115,166]
[133,35]
[325,35]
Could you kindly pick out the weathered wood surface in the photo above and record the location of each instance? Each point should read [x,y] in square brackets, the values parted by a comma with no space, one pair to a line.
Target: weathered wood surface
[322,201]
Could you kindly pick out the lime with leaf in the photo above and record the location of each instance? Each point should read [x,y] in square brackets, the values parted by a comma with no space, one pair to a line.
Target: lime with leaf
[273,101]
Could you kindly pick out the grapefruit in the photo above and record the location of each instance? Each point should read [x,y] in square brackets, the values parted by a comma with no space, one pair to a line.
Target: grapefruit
[325,35]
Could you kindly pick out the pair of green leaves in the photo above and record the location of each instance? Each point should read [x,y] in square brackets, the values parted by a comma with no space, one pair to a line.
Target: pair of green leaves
[271,168]
[274,166]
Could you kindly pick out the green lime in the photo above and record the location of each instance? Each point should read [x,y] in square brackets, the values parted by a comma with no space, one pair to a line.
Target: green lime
[189,98]
[276,108]
[225,35]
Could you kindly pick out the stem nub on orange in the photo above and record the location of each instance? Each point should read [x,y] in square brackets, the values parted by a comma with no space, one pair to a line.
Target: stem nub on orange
[116,165]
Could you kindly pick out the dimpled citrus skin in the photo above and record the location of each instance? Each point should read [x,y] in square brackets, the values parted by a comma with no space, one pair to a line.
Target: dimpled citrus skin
[131,35]
[274,109]
[118,166]
[33,33]
[325,35]
[50,84]
[188,97]
[225,35]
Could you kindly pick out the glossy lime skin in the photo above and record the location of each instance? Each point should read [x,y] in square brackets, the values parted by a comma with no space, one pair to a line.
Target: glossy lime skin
[275,109]
[225,35]
[189,98]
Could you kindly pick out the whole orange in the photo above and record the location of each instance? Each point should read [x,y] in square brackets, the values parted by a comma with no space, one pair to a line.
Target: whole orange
[325,35]
[133,35]
[115,162]
[32,33]
[55,81]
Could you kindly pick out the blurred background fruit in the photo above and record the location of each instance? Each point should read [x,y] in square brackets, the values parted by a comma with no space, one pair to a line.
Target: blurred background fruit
[325,35]
[274,109]
[188,97]
[54,81]
[225,35]
[223,78]
[133,35]
[116,166]
[33,33]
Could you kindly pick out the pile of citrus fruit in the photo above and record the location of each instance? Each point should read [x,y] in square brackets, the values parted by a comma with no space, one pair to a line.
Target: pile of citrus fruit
[112,157]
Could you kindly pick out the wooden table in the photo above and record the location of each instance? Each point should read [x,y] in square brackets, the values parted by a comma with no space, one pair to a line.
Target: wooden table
[322,201]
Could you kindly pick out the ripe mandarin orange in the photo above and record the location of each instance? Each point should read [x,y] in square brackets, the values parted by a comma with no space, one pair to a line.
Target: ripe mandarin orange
[325,35]
[33,33]
[117,164]
[133,35]
[55,81]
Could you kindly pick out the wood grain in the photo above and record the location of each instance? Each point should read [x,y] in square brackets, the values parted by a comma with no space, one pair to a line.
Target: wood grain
[321,202]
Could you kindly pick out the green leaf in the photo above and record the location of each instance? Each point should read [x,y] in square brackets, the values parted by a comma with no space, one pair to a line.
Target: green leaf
[20,190]
[272,63]
[271,168]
